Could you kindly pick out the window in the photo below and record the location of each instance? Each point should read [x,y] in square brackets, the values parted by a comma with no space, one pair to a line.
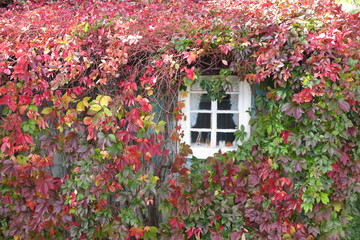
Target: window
[210,125]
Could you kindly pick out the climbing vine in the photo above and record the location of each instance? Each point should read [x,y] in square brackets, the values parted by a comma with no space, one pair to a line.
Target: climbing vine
[90,135]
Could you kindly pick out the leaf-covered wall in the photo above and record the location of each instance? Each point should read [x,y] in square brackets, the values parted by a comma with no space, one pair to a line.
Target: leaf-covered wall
[82,80]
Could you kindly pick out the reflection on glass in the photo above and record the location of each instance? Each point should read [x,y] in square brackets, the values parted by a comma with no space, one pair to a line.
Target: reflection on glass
[200,138]
[200,102]
[200,120]
[227,121]
[230,102]
[225,139]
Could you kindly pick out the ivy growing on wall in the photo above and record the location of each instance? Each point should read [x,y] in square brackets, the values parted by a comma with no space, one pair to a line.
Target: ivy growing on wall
[90,141]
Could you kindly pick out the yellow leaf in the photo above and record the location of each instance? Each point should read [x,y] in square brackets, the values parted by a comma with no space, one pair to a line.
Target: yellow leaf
[337,205]
[68,58]
[86,101]
[80,107]
[184,94]
[155,179]
[95,108]
[104,101]
[17,237]
[286,236]
[60,128]
[47,110]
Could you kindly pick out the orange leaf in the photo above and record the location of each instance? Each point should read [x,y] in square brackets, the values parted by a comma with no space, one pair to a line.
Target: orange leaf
[88,120]
[136,232]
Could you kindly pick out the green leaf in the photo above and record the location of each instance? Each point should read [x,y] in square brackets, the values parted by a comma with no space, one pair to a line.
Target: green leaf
[86,27]
[307,206]
[94,108]
[165,207]
[269,130]
[107,112]
[104,101]
[240,134]
[47,110]
[80,196]
[352,62]
[160,126]
[112,138]
[33,107]
[150,233]
[324,197]
[274,166]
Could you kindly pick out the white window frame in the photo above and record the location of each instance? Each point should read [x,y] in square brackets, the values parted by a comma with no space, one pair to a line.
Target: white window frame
[244,105]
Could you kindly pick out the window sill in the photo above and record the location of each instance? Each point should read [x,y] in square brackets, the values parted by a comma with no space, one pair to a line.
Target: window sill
[205,152]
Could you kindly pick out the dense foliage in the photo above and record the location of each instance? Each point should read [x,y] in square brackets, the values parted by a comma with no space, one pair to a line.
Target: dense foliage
[90,140]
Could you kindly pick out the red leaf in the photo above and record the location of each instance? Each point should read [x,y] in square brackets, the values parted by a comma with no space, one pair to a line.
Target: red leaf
[284,181]
[4,100]
[304,96]
[285,135]
[190,73]
[31,205]
[145,104]
[136,232]
[43,185]
[9,101]
[344,105]
[190,56]
[351,131]
[125,136]
[225,48]
[7,71]
[293,110]
[78,90]
[236,235]
[176,223]
[52,232]
[23,139]
[193,231]
[216,234]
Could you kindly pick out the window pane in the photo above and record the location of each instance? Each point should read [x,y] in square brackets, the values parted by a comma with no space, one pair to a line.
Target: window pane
[230,102]
[199,102]
[227,121]
[200,138]
[225,139]
[200,120]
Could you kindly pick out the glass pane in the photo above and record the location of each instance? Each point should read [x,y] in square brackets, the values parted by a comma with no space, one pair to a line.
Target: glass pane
[199,102]
[227,121]
[230,102]
[200,138]
[225,139]
[200,120]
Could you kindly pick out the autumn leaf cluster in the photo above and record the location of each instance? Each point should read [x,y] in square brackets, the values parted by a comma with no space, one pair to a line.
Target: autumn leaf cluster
[90,136]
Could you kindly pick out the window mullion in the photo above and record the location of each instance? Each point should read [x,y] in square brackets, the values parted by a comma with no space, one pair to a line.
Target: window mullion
[213,123]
